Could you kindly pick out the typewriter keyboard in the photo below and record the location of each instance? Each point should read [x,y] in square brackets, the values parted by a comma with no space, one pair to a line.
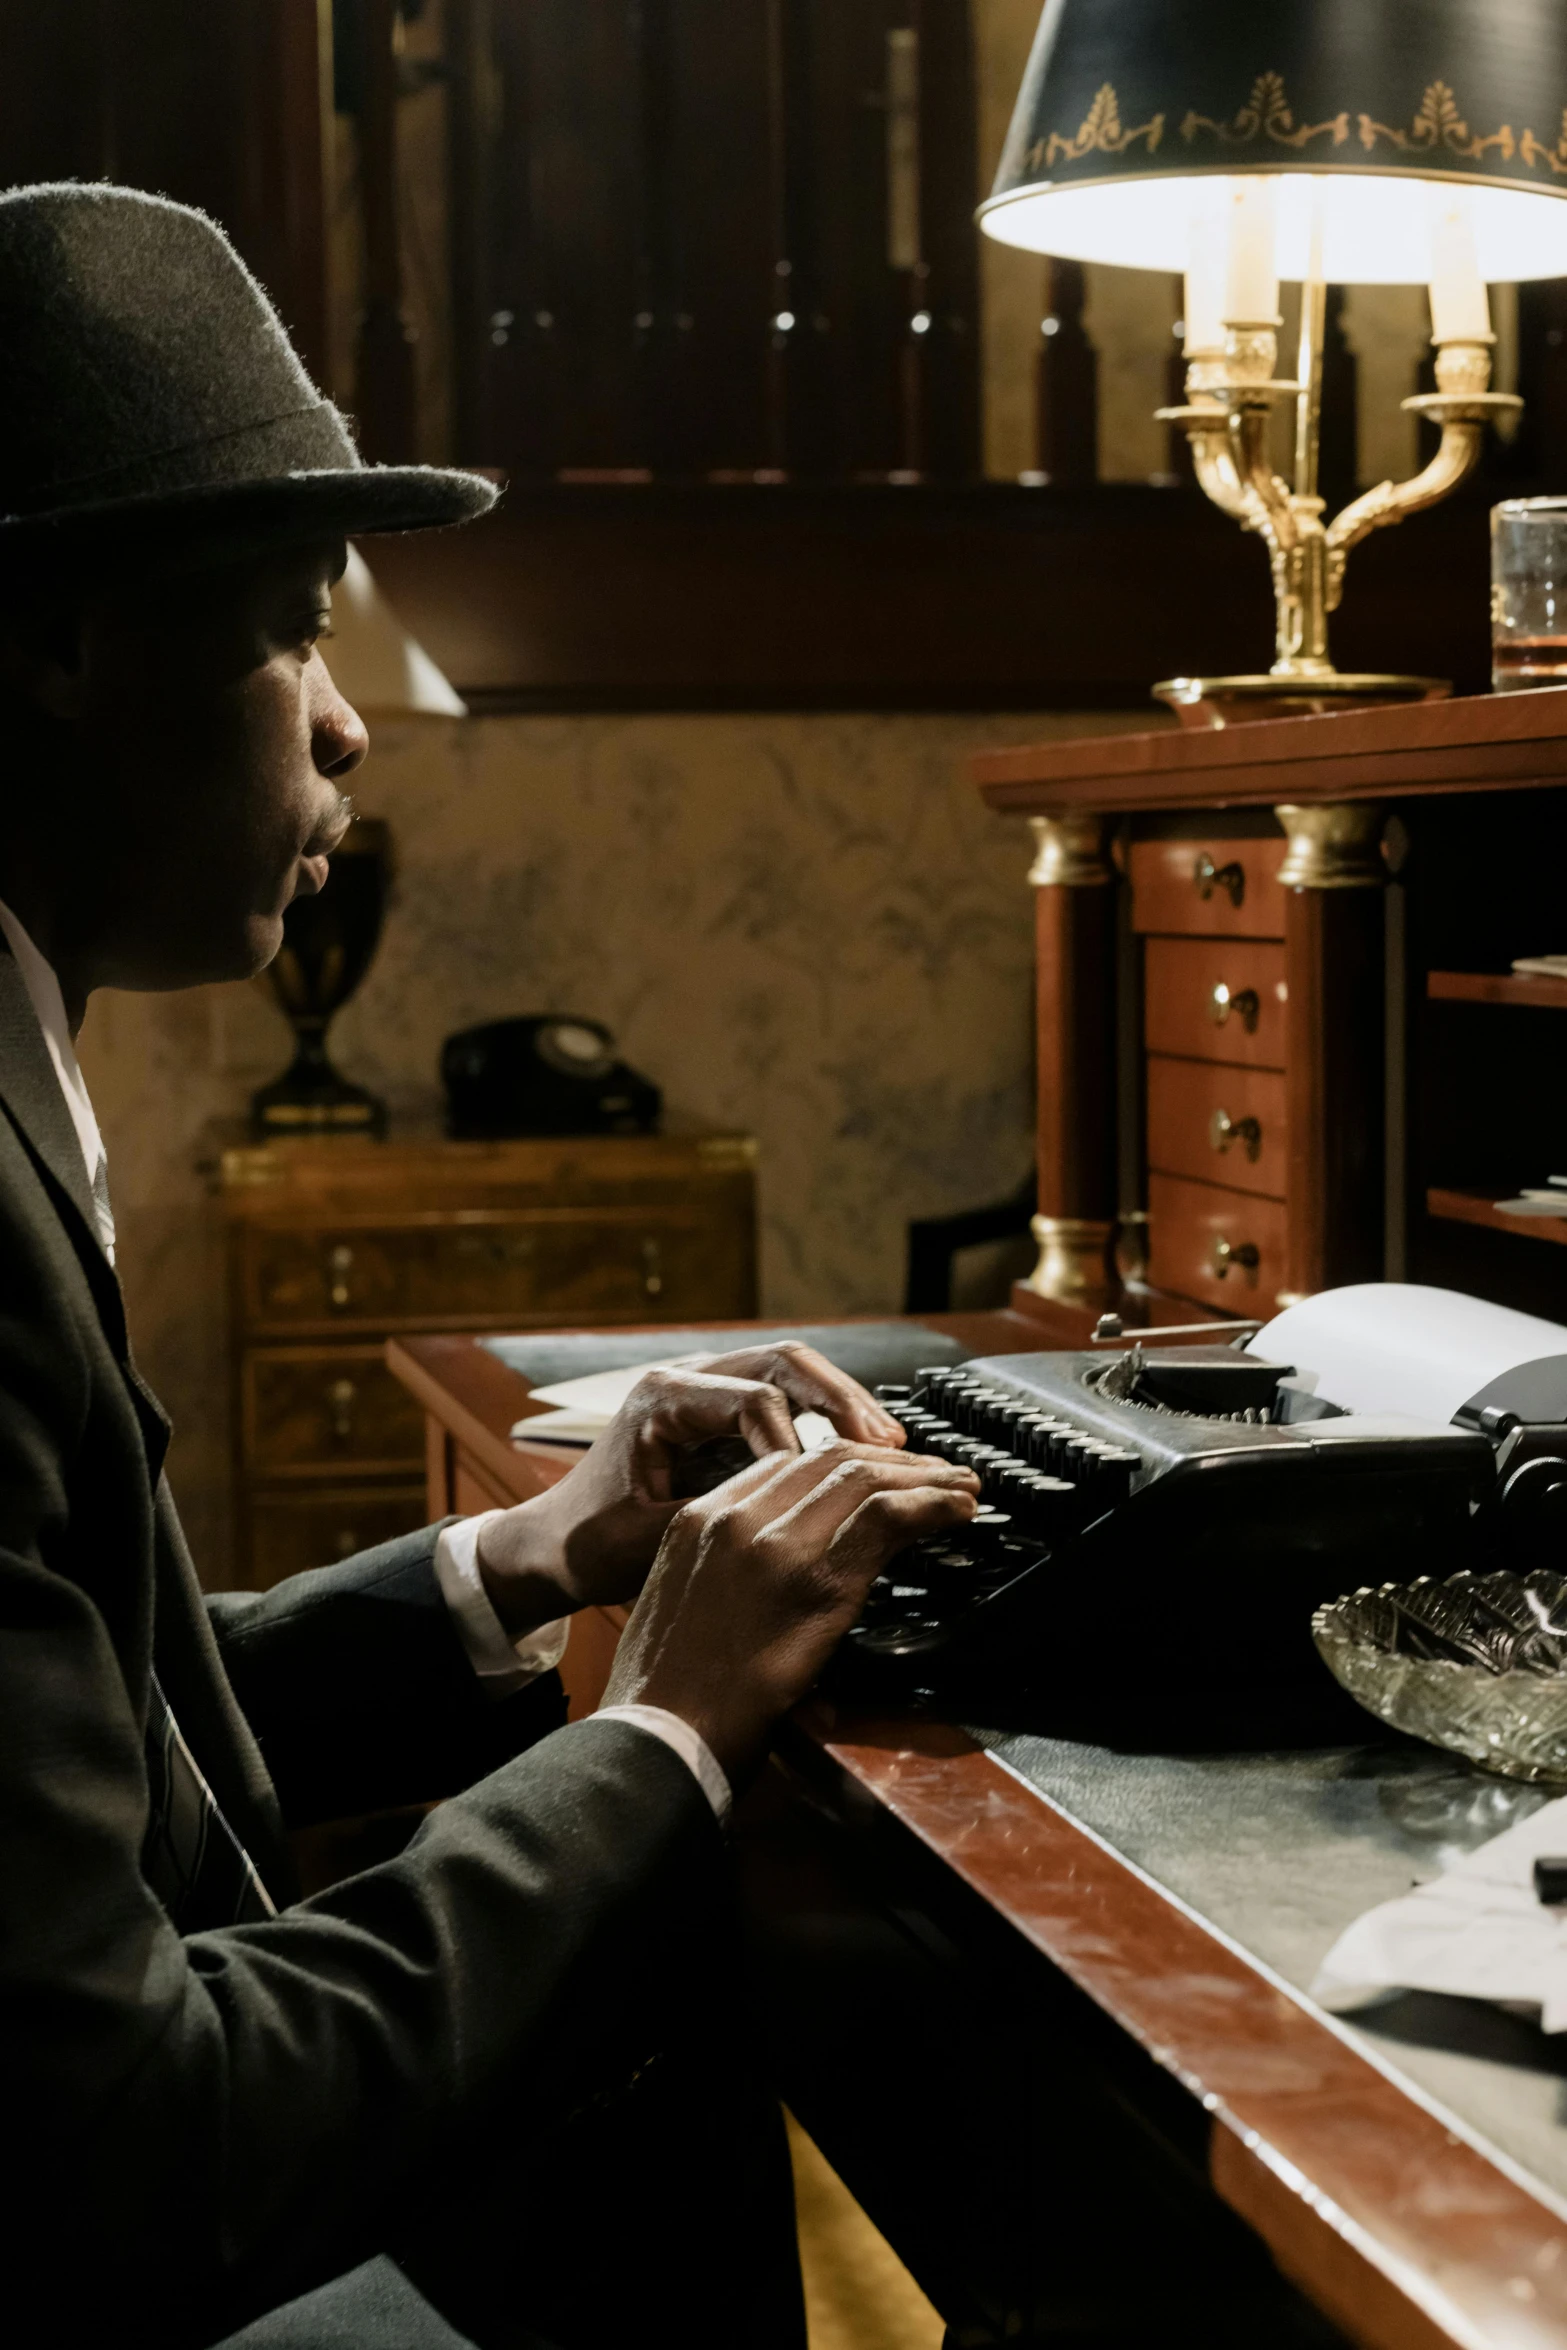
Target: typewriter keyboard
[1041,1481]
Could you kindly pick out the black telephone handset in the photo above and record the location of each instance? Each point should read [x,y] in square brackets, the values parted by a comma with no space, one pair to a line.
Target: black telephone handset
[546,1073]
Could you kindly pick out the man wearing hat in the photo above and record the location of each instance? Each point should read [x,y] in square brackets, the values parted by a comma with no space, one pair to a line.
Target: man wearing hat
[495,2089]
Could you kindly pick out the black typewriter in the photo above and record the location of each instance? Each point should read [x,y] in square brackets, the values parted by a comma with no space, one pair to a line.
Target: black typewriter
[1167,1520]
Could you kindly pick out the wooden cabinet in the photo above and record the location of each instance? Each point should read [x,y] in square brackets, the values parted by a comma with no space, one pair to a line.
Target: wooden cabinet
[1280,1047]
[336,1246]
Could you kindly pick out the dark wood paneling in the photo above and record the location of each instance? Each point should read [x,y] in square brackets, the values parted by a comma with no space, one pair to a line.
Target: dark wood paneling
[948,354]
[720,237]
[219,106]
[385,402]
[673,256]
[991,596]
[1067,384]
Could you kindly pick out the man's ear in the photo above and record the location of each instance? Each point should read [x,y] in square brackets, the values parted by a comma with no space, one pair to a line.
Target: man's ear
[41,649]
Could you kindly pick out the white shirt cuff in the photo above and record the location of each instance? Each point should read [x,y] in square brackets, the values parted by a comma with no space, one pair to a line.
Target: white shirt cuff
[502,1664]
[689,1744]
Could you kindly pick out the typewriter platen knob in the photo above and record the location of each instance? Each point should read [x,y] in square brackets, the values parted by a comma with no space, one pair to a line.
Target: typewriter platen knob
[1534,1499]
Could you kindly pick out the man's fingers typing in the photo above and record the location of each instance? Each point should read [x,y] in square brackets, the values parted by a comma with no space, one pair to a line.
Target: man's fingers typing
[812,1384]
[836,1477]
[808,1512]
[691,1405]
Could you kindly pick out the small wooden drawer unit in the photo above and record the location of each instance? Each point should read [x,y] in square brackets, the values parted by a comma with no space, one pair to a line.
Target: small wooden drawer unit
[336,1246]
[1210,914]
[1262,945]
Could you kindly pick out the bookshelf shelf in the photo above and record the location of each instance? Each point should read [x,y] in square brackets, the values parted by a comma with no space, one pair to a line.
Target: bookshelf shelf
[1497,987]
[1473,1207]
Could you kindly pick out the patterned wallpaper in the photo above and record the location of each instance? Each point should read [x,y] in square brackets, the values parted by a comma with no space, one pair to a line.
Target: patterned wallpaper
[805,927]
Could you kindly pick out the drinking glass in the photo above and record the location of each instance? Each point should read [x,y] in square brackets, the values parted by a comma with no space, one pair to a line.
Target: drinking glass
[1528,593]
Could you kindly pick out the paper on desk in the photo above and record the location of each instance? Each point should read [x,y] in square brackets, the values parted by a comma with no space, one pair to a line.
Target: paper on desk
[1478,1931]
[1396,1346]
[586,1406]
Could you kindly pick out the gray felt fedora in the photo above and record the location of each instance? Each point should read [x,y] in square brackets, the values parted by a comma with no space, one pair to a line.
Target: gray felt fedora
[148,389]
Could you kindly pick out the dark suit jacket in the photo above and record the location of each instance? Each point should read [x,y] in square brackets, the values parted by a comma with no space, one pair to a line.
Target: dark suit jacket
[199,2128]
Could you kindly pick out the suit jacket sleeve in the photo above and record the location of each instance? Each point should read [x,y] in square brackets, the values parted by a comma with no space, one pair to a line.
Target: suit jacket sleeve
[211,2125]
[359,1691]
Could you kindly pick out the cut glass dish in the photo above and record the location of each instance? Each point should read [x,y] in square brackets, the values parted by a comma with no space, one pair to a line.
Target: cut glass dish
[1477,1664]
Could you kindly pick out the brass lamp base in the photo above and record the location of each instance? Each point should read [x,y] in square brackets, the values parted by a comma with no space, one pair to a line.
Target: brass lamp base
[1240,700]
[1232,394]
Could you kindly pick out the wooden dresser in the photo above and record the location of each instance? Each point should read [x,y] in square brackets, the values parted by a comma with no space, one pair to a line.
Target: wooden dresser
[1279,1046]
[335,1246]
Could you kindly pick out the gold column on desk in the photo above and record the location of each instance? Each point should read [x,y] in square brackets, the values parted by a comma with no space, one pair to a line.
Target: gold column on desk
[1417,142]
[1075,954]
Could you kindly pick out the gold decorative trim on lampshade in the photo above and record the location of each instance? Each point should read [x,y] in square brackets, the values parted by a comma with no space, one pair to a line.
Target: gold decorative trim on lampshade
[1128,106]
[375,663]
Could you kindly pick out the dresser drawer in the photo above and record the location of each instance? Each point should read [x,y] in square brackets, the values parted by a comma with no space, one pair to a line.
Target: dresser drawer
[1225,1248]
[497,1270]
[1208,888]
[1219,1125]
[292,1531]
[1214,1000]
[316,1411]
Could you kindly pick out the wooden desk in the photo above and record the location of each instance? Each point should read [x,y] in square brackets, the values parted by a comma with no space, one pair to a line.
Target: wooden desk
[1051,2078]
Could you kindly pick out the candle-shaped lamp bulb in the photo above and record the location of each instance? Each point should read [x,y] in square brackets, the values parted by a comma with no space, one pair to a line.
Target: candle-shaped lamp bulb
[1460,311]
[1251,292]
[1203,316]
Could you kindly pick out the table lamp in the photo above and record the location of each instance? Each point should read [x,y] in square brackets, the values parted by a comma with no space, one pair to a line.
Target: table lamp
[328,940]
[1389,142]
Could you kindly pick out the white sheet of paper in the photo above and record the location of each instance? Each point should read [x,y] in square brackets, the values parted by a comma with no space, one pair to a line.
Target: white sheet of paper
[1396,1346]
[585,1407]
[1477,1930]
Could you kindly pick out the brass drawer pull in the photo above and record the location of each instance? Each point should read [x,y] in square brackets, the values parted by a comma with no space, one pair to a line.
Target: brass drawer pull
[1244,1002]
[1207,877]
[1223,1130]
[1234,1252]
[652,1268]
[341,1398]
[340,1261]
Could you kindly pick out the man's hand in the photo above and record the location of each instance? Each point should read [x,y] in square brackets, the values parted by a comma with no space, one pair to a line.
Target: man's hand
[756,1583]
[592,1538]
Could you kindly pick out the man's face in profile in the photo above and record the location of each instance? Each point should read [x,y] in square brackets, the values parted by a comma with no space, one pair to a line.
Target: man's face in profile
[200,749]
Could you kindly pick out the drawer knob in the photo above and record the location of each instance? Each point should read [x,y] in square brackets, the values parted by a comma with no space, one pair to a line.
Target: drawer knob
[1223,1130]
[1207,877]
[1234,1252]
[652,1268]
[340,1263]
[1244,1002]
[341,1398]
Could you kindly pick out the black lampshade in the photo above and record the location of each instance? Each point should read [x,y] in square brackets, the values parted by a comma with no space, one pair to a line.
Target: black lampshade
[1127,103]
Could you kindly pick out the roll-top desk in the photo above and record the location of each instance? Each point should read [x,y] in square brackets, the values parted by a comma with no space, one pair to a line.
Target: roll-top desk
[1280,1044]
